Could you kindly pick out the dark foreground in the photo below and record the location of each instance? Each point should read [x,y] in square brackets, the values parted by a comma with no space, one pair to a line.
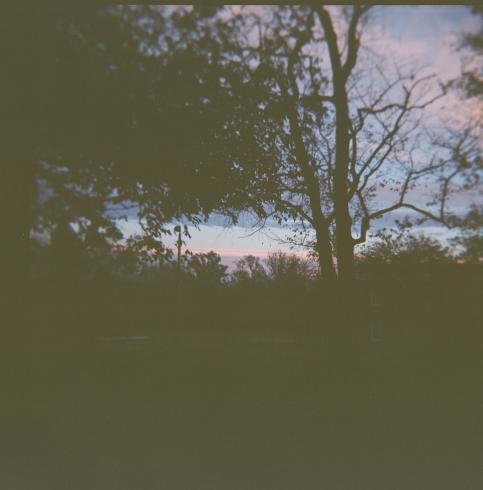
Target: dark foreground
[252,390]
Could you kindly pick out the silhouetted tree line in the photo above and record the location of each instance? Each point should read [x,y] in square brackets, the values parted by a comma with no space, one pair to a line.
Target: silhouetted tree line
[172,113]
[421,293]
[392,254]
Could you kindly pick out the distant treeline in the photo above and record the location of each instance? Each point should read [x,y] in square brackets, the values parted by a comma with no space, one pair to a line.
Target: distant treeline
[406,255]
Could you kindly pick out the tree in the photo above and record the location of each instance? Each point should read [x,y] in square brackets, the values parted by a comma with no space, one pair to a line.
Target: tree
[333,128]
[469,243]
[249,269]
[98,113]
[66,252]
[62,109]
[471,81]
[278,267]
[205,267]
[401,253]
[185,111]
[288,268]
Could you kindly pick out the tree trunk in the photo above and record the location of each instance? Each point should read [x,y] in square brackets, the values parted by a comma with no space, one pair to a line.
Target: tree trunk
[343,221]
[324,251]
[340,72]
[324,248]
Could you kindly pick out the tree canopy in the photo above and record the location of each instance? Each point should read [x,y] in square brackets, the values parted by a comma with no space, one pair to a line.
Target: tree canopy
[170,112]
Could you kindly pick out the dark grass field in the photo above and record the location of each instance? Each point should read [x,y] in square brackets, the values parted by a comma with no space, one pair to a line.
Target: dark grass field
[242,390]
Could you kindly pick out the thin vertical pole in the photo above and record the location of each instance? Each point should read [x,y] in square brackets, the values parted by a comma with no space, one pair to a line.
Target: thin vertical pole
[179,242]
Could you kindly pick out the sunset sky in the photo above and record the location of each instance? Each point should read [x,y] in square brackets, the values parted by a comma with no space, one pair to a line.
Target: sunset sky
[425,35]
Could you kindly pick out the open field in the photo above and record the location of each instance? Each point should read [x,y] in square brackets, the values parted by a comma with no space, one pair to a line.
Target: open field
[273,397]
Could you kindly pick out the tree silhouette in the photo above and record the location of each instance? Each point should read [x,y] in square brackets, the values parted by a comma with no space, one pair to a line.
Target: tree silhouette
[99,124]
[288,268]
[177,112]
[471,81]
[330,130]
[249,269]
[205,267]
[403,254]
[469,243]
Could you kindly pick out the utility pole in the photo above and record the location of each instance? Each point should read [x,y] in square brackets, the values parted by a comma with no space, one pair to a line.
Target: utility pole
[179,242]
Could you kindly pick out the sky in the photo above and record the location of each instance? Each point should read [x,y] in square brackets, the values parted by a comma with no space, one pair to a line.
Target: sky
[425,34]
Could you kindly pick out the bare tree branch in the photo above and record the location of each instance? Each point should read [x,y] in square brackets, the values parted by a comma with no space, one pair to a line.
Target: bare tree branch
[419,210]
